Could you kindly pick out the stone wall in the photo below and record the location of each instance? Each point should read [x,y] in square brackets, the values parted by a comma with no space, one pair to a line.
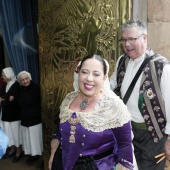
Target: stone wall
[158,20]
[156,14]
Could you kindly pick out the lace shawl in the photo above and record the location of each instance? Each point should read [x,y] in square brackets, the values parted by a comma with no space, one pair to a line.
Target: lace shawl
[109,112]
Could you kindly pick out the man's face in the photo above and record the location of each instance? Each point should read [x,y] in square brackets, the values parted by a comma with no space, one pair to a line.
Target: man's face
[138,45]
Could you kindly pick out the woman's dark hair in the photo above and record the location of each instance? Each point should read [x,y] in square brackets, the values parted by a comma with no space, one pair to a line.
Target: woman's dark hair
[97,57]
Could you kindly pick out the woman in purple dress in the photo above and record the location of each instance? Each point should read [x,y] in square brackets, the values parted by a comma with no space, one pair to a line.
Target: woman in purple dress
[94,131]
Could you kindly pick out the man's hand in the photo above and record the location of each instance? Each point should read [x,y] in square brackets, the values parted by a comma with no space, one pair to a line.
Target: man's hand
[11,98]
[167,149]
[1,99]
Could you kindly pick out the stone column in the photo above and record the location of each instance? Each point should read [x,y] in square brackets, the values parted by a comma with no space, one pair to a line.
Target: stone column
[156,14]
[159,26]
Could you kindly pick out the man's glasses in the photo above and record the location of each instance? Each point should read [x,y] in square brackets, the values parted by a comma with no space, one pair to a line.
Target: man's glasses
[130,40]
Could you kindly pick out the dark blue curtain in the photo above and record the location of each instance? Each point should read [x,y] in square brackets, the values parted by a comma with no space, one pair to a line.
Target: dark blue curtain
[2,57]
[18,22]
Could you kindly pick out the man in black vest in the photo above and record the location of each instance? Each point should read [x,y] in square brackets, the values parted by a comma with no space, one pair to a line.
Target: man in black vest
[147,98]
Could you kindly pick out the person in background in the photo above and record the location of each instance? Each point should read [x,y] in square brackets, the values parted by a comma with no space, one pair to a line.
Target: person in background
[30,115]
[149,102]
[94,131]
[3,142]
[1,83]
[10,121]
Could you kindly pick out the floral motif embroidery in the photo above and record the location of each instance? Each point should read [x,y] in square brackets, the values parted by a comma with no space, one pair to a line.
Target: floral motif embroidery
[113,113]
[150,94]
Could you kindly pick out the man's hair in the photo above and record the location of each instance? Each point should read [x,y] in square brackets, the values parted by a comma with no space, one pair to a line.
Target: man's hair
[141,25]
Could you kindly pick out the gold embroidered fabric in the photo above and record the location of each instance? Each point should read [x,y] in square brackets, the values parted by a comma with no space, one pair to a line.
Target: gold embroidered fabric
[73,122]
[109,112]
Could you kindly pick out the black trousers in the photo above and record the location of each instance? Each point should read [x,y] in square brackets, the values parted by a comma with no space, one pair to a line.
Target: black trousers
[145,150]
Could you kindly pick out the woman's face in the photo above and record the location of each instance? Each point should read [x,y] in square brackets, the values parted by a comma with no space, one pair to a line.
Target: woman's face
[91,77]
[24,79]
[5,79]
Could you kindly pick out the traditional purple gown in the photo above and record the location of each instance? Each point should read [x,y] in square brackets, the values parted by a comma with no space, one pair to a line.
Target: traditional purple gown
[106,127]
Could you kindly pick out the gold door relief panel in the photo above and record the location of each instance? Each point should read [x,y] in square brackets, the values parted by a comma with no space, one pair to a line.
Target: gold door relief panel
[68,31]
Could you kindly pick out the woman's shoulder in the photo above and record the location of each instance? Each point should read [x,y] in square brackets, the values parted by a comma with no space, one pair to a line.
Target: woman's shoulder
[113,104]
[111,96]
[33,84]
[69,97]
[15,86]
[71,94]
[16,83]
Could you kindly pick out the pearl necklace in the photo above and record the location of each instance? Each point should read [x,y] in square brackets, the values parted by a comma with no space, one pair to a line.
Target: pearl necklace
[85,102]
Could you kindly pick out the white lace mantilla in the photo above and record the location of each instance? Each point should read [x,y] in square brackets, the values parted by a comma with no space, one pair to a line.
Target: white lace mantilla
[109,112]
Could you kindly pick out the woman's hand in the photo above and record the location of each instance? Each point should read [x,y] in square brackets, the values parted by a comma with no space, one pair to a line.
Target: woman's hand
[11,98]
[121,167]
[50,161]
[53,150]
[54,146]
